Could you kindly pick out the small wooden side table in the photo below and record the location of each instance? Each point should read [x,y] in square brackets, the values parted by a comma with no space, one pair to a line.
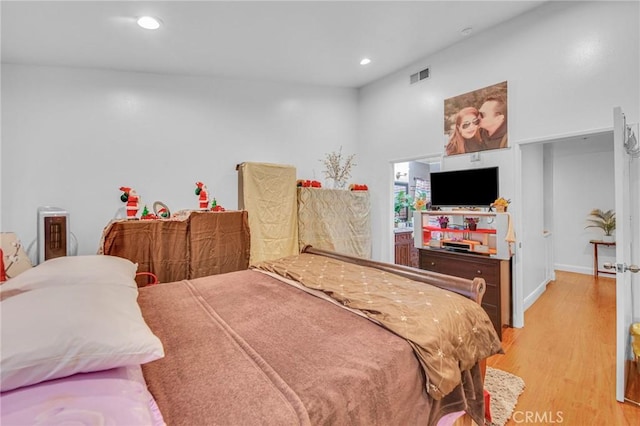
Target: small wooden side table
[597,243]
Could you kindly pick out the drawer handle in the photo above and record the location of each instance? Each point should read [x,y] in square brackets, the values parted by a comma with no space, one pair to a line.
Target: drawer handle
[433,263]
[479,272]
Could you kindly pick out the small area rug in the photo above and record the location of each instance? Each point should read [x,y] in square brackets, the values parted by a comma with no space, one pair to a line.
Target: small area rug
[504,388]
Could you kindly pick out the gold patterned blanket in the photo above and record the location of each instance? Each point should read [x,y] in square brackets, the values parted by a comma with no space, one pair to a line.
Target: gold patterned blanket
[448,332]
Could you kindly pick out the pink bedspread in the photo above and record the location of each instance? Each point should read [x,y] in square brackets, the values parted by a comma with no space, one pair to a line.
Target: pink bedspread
[112,397]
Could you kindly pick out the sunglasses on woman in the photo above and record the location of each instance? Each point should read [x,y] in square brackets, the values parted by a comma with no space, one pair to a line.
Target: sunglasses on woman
[466,124]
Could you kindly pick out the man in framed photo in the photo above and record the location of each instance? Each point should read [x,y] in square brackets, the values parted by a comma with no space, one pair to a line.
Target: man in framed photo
[493,122]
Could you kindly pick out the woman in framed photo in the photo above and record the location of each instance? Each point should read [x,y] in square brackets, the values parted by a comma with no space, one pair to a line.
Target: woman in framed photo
[466,133]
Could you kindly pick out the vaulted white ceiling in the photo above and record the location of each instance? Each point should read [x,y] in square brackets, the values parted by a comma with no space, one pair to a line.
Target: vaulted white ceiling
[311,42]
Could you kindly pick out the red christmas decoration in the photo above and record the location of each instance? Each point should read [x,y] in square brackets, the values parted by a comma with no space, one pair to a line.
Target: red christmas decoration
[358,187]
[130,196]
[308,183]
[203,195]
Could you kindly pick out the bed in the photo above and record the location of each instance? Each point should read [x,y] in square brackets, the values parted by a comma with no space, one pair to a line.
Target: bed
[318,338]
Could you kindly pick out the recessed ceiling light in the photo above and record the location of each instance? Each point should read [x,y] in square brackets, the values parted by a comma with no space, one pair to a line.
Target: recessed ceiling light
[365,61]
[149,23]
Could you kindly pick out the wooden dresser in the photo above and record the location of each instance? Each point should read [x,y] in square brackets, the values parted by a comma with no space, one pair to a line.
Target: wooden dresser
[496,273]
[405,251]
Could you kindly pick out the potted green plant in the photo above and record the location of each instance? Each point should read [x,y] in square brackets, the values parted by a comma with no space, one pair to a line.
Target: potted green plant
[403,201]
[605,220]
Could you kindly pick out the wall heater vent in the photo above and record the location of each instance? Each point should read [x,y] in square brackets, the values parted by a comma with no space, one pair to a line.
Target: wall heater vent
[421,75]
[53,233]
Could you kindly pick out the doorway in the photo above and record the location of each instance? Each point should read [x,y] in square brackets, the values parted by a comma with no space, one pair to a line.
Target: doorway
[411,190]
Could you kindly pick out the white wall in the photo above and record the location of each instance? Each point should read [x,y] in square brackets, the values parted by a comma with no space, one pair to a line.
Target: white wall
[583,180]
[72,137]
[534,274]
[567,65]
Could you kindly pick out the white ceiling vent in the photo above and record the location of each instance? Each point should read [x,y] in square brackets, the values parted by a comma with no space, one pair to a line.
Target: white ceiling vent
[422,75]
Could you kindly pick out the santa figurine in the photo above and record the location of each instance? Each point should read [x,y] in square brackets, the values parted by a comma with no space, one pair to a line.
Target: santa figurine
[130,196]
[203,195]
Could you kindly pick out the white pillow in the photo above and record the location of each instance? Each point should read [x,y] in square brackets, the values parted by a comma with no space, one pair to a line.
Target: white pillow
[74,270]
[59,331]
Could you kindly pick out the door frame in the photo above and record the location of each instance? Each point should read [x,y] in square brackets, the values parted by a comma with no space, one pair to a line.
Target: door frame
[518,268]
[390,192]
[626,250]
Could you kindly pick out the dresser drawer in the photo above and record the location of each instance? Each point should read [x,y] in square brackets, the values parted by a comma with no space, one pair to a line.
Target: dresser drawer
[491,294]
[470,270]
[460,266]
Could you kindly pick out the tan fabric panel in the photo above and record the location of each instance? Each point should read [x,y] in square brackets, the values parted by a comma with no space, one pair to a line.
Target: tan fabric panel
[336,220]
[269,196]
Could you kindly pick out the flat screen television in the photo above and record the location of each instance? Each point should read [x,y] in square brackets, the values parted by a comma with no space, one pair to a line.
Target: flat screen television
[464,188]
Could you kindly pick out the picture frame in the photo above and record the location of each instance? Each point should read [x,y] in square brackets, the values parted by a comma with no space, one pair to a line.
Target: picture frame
[477,120]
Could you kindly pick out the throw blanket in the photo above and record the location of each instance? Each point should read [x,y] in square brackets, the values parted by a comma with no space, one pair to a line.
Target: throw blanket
[243,348]
[448,332]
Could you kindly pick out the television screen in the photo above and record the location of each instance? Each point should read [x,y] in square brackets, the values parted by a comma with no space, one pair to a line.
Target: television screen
[465,188]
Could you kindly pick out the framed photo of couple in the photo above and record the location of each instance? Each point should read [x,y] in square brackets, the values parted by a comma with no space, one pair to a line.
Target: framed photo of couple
[476,121]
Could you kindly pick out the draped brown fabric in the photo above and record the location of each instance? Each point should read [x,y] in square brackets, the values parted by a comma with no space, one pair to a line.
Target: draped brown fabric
[201,244]
[247,349]
[448,332]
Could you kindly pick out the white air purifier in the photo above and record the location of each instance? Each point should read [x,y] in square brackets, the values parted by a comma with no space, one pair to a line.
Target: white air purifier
[53,233]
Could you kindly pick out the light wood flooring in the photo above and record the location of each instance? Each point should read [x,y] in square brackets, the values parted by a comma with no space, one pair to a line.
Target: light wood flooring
[566,355]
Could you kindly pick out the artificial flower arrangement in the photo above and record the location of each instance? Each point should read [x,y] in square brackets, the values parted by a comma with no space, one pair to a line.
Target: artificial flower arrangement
[336,169]
[472,222]
[443,221]
[308,183]
[501,204]
[420,204]
[358,187]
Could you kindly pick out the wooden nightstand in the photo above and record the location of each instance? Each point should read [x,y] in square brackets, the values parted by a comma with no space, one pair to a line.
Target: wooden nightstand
[597,243]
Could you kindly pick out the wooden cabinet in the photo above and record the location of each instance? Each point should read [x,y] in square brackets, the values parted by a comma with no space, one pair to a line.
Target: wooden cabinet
[406,252]
[496,273]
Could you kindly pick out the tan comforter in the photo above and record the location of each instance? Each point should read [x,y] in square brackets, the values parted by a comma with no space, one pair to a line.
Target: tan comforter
[245,349]
[449,332]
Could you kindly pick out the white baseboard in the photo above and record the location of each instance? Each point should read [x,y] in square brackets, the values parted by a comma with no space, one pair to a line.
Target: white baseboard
[531,299]
[573,268]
